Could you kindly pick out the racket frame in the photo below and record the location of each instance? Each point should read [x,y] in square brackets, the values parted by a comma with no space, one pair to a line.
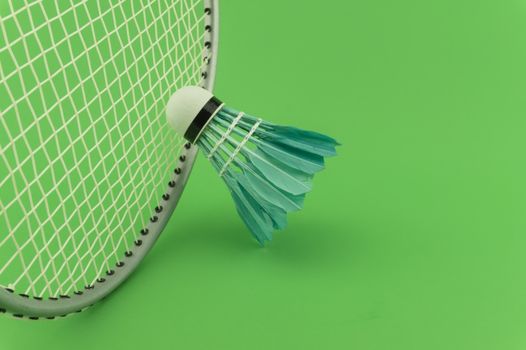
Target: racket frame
[24,306]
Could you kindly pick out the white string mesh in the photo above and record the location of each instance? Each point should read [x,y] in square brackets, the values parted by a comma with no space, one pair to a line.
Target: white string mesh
[85,151]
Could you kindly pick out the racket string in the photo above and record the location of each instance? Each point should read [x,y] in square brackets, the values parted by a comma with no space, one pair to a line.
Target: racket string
[97,140]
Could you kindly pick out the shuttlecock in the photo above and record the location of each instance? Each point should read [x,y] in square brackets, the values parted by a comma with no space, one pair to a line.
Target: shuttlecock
[267,168]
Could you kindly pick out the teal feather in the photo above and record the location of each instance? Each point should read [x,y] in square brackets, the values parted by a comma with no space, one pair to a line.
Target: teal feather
[298,175]
[277,174]
[257,221]
[300,159]
[270,193]
[308,141]
[258,183]
[296,182]
[306,162]
[249,201]
[277,214]
[272,172]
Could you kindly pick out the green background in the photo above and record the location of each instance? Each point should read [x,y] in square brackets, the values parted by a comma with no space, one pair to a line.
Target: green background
[414,237]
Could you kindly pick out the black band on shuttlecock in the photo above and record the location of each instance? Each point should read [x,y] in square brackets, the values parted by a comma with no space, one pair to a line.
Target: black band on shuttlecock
[202,118]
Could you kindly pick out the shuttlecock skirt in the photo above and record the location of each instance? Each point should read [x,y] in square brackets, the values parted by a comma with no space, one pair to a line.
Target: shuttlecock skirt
[267,168]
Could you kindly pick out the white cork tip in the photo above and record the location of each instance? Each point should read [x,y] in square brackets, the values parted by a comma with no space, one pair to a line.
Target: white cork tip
[184,105]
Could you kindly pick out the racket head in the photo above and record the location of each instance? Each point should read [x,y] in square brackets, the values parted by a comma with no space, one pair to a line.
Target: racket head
[28,301]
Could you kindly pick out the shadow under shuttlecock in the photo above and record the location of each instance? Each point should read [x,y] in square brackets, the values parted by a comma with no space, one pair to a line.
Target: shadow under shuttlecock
[305,246]
[211,237]
[312,243]
[307,243]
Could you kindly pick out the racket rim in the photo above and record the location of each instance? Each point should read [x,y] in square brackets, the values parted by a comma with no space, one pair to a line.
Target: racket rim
[22,305]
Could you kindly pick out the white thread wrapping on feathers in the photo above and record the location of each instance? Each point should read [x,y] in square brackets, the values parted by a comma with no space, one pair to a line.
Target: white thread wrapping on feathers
[225,135]
[238,148]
